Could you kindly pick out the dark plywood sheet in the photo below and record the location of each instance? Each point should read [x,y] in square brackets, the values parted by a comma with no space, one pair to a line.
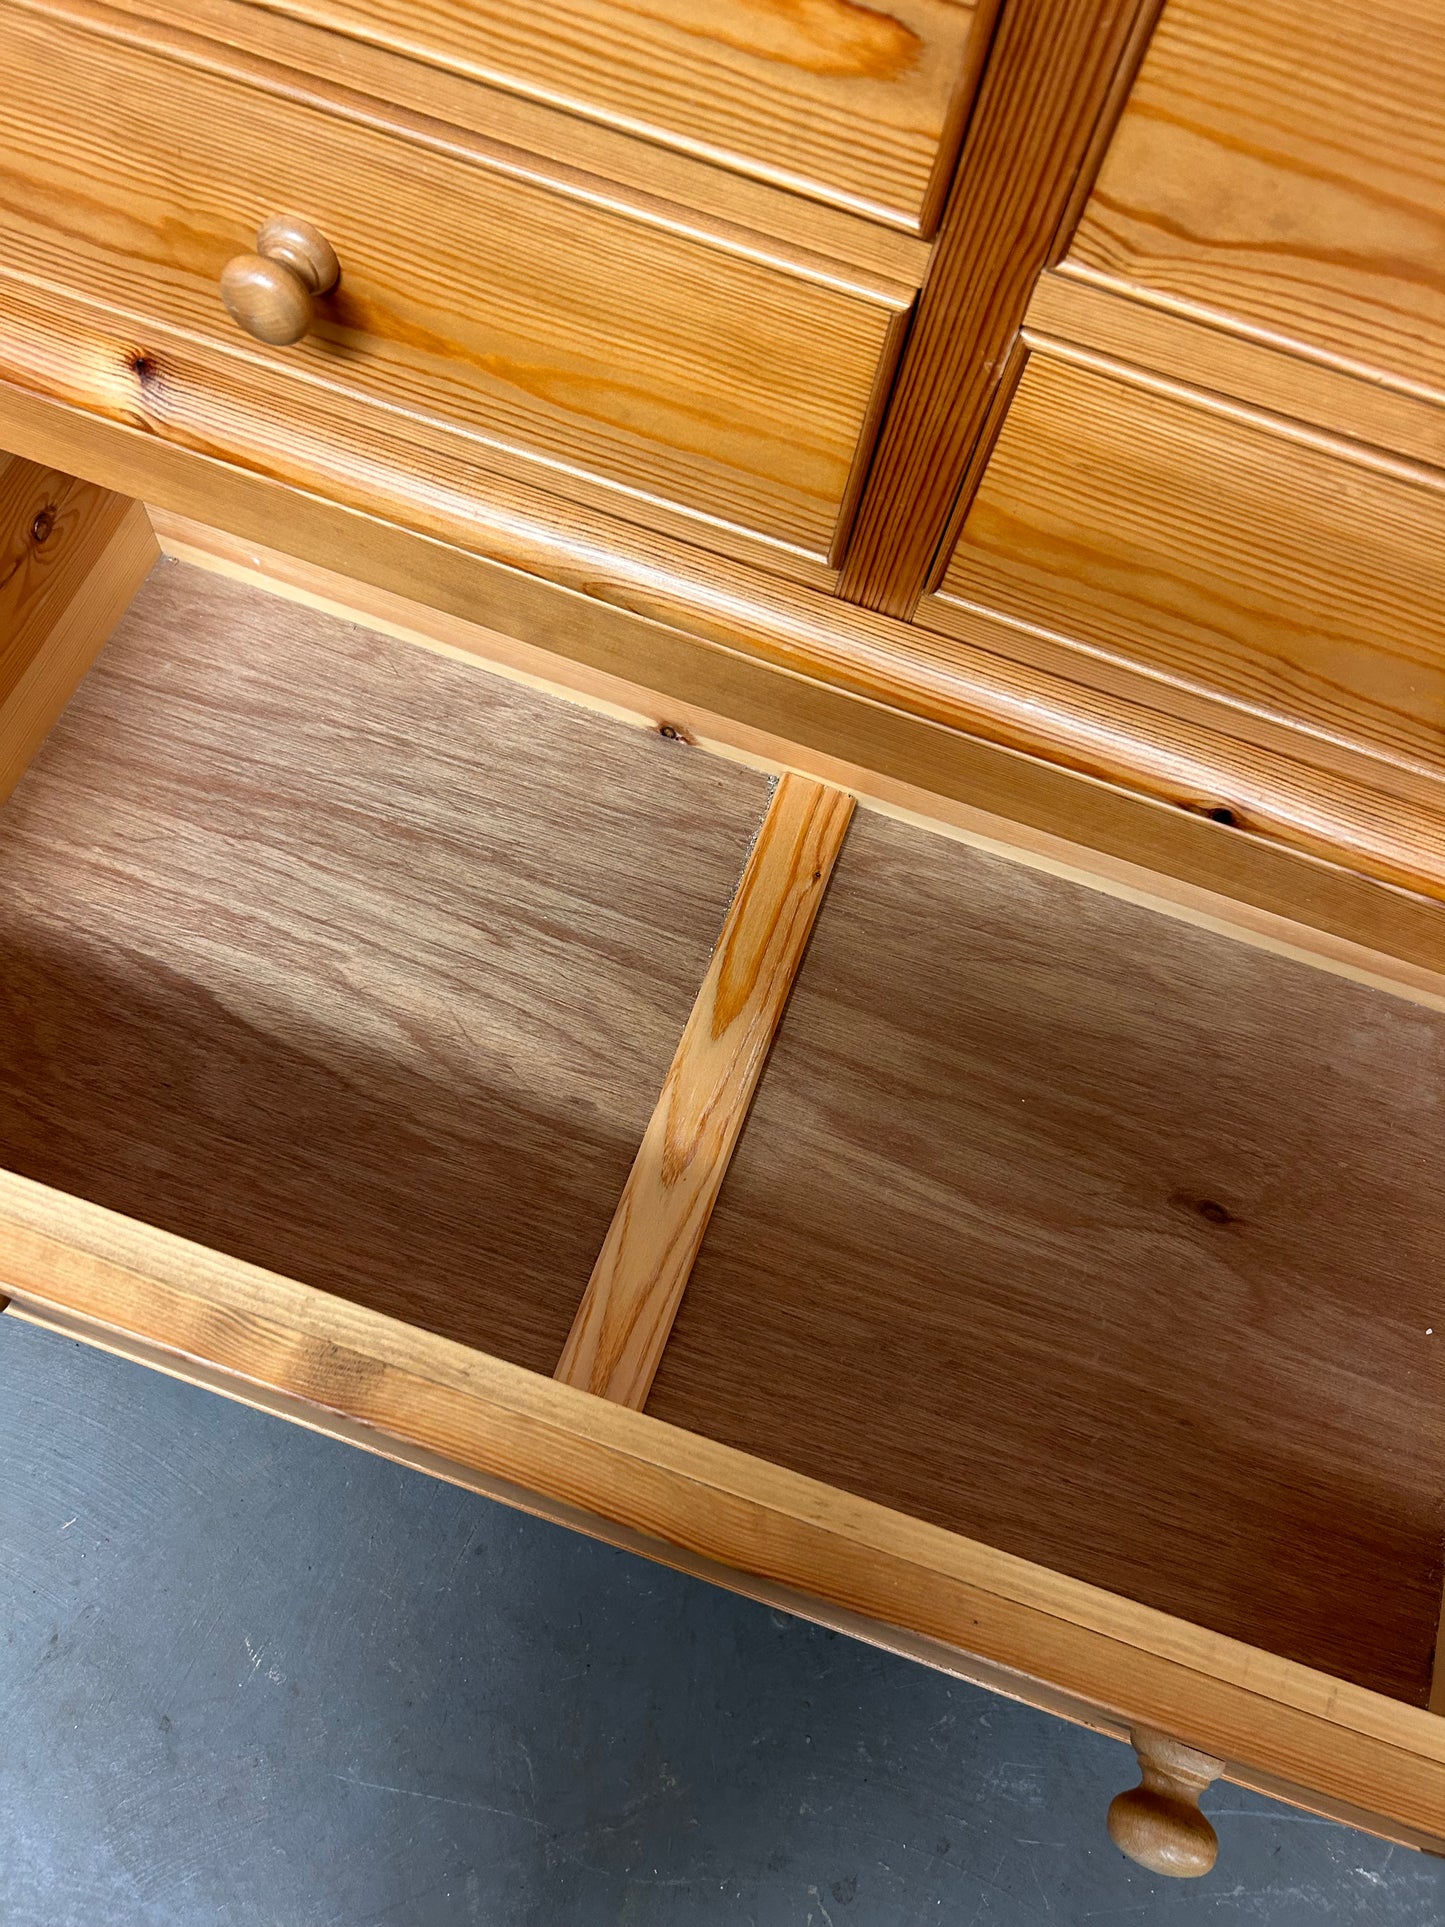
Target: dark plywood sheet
[350,960]
[1103,1239]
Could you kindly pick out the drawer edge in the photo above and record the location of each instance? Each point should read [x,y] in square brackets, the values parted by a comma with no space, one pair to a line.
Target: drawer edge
[1325,1744]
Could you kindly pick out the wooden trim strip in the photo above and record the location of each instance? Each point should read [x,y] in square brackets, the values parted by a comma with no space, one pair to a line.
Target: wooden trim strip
[622,1325]
[1055,81]
[1075,312]
[1214,401]
[1437,1682]
[1336,1742]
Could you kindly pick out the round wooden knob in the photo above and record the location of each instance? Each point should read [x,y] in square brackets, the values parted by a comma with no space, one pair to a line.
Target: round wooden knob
[1158,1823]
[270,293]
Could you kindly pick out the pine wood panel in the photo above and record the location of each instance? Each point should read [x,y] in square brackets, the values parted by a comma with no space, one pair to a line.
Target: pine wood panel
[852,104]
[348,960]
[1099,1239]
[526,134]
[1055,76]
[345,447]
[1219,553]
[720,639]
[1281,164]
[71,557]
[1069,315]
[549,327]
[1335,1747]
[642,1270]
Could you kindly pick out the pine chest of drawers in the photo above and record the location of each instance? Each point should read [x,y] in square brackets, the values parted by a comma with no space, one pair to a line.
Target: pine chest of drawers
[760,857]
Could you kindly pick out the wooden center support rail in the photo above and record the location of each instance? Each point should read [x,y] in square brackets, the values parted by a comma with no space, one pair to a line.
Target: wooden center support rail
[622,1325]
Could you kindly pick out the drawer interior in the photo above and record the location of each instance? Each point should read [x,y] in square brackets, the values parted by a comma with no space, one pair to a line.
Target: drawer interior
[1102,1238]
[349,961]
[1056,1221]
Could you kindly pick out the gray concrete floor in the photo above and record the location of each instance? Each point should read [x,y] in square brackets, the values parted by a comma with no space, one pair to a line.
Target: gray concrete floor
[252,1678]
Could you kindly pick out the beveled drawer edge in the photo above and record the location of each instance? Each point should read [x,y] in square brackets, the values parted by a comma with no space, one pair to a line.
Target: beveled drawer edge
[1270,421]
[1359,416]
[1334,1746]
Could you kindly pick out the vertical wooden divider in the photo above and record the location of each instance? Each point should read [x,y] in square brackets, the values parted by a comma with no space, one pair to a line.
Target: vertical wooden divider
[1057,74]
[71,558]
[626,1314]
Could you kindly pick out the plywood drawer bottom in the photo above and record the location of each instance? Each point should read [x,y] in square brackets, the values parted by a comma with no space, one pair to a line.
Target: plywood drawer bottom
[1068,1311]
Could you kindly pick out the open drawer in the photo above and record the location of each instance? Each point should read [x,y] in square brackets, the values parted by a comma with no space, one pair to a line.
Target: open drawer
[380,1035]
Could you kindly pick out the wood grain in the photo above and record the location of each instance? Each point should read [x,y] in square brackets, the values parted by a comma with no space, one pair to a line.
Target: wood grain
[560,332]
[622,1324]
[341,957]
[1312,212]
[525,141]
[710,636]
[71,557]
[1102,1240]
[1223,554]
[1054,78]
[1068,314]
[1330,1744]
[651,709]
[1318,799]
[848,103]
[530,136]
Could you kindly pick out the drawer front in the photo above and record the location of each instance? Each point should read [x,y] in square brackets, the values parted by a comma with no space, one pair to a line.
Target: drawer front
[1282,163]
[850,103]
[557,331]
[1219,554]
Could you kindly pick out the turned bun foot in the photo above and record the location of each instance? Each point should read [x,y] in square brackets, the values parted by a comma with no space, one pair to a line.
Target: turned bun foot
[1158,1822]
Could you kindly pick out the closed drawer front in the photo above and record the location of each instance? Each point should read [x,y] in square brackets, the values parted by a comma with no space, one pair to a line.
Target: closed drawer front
[850,103]
[1282,163]
[1219,554]
[553,329]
